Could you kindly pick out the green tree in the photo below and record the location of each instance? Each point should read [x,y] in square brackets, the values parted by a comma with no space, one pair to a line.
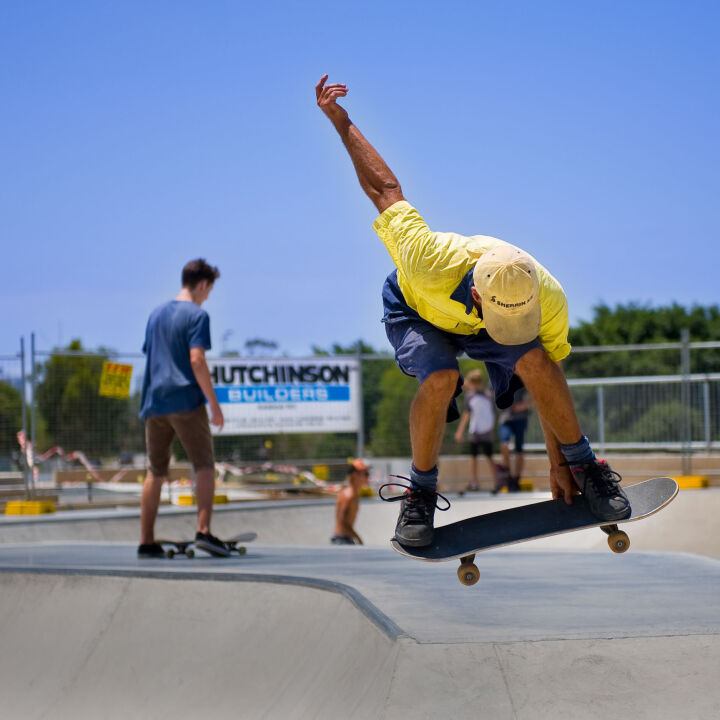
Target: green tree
[372,372]
[634,324]
[77,417]
[666,420]
[10,418]
[391,434]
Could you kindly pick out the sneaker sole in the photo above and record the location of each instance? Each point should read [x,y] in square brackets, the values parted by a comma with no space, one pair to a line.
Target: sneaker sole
[212,549]
[418,542]
[612,518]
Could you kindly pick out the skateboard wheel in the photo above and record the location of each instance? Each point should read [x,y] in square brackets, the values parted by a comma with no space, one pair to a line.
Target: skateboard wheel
[241,550]
[468,574]
[190,553]
[618,541]
[171,553]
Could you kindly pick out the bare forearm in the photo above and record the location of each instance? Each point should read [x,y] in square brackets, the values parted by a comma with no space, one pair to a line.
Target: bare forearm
[552,444]
[376,178]
[204,379]
[464,419]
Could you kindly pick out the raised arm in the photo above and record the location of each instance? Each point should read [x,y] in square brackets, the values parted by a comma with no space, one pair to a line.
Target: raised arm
[376,178]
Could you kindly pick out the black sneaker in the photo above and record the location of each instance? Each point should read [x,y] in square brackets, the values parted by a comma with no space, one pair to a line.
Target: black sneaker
[209,543]
[601,488]
[417,512]
[150,550]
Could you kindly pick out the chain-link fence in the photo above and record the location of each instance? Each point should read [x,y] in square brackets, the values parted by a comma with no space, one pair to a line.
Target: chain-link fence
[69,421]
[12,412]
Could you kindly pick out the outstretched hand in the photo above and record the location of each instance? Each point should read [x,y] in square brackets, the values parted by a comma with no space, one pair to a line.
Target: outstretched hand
[327,95]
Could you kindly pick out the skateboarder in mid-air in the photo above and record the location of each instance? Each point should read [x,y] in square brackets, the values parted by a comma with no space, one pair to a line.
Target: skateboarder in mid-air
[479,295]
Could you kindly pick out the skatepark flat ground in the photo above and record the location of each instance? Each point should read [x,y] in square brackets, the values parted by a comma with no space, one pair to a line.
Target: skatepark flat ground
[556,628]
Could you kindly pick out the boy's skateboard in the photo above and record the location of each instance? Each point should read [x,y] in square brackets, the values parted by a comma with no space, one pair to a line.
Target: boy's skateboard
[234,543]
[177,547]
[529,522]
[186,547]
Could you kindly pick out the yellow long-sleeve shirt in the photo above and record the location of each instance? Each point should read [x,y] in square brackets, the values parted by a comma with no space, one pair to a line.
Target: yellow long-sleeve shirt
[431,266]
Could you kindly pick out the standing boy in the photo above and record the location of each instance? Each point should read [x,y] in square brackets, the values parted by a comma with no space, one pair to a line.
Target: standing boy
[176,385]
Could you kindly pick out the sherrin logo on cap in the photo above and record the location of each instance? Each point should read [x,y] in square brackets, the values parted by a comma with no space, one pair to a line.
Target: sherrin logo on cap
[506,280]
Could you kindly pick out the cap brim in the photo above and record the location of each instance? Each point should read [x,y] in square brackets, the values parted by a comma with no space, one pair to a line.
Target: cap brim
[512,330]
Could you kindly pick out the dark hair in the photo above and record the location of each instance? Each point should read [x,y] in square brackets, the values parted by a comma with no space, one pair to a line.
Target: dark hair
[198,270]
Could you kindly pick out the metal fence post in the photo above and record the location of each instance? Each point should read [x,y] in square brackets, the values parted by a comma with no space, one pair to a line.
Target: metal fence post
[33,403]
[23,410]
[361,410]
[706,415]
[687,434]
[601,418]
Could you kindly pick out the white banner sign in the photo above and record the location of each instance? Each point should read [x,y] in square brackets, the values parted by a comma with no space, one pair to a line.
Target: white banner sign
[320,394]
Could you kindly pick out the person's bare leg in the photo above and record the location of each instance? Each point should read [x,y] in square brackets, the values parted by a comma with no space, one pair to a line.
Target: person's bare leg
[428,414]
[205,493]
[474,470]
[549,389]
[150,502]
[519,464]
[505,452]
[493,470]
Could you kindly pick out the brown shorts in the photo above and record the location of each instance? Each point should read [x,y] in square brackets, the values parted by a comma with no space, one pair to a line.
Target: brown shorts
[193,431]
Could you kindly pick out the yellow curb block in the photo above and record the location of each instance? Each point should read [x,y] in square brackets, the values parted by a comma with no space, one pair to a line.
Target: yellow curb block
[692,482]
[523,486]
[190,500]
[29,507]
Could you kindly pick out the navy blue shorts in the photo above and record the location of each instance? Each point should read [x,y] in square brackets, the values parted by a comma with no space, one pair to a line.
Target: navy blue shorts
[514,428]
[422,349]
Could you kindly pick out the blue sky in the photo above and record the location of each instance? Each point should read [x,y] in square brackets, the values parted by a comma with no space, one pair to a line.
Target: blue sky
[138,135]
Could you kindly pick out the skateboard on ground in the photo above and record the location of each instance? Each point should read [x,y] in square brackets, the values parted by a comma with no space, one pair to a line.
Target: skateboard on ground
[463,539]
[177,547]
[186,547]
[234,542]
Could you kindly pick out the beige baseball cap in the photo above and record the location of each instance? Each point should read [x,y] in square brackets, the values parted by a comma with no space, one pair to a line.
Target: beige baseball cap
[506,280]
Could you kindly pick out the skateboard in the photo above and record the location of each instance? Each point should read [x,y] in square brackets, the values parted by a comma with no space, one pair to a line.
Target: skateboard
[461,540]
[234,543]
[186,547]
[177,547]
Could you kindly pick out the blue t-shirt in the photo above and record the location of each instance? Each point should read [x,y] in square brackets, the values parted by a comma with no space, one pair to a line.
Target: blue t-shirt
[169,385]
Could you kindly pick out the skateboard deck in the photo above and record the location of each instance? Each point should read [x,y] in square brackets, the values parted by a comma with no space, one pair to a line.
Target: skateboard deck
[177,547]
[464,538]
[234,543]
[186,547]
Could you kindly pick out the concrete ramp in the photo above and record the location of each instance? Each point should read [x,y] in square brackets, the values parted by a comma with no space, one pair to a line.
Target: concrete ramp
[83,646]
[90,632]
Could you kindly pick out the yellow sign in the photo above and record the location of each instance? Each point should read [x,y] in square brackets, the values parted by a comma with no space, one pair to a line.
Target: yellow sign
[115,380]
